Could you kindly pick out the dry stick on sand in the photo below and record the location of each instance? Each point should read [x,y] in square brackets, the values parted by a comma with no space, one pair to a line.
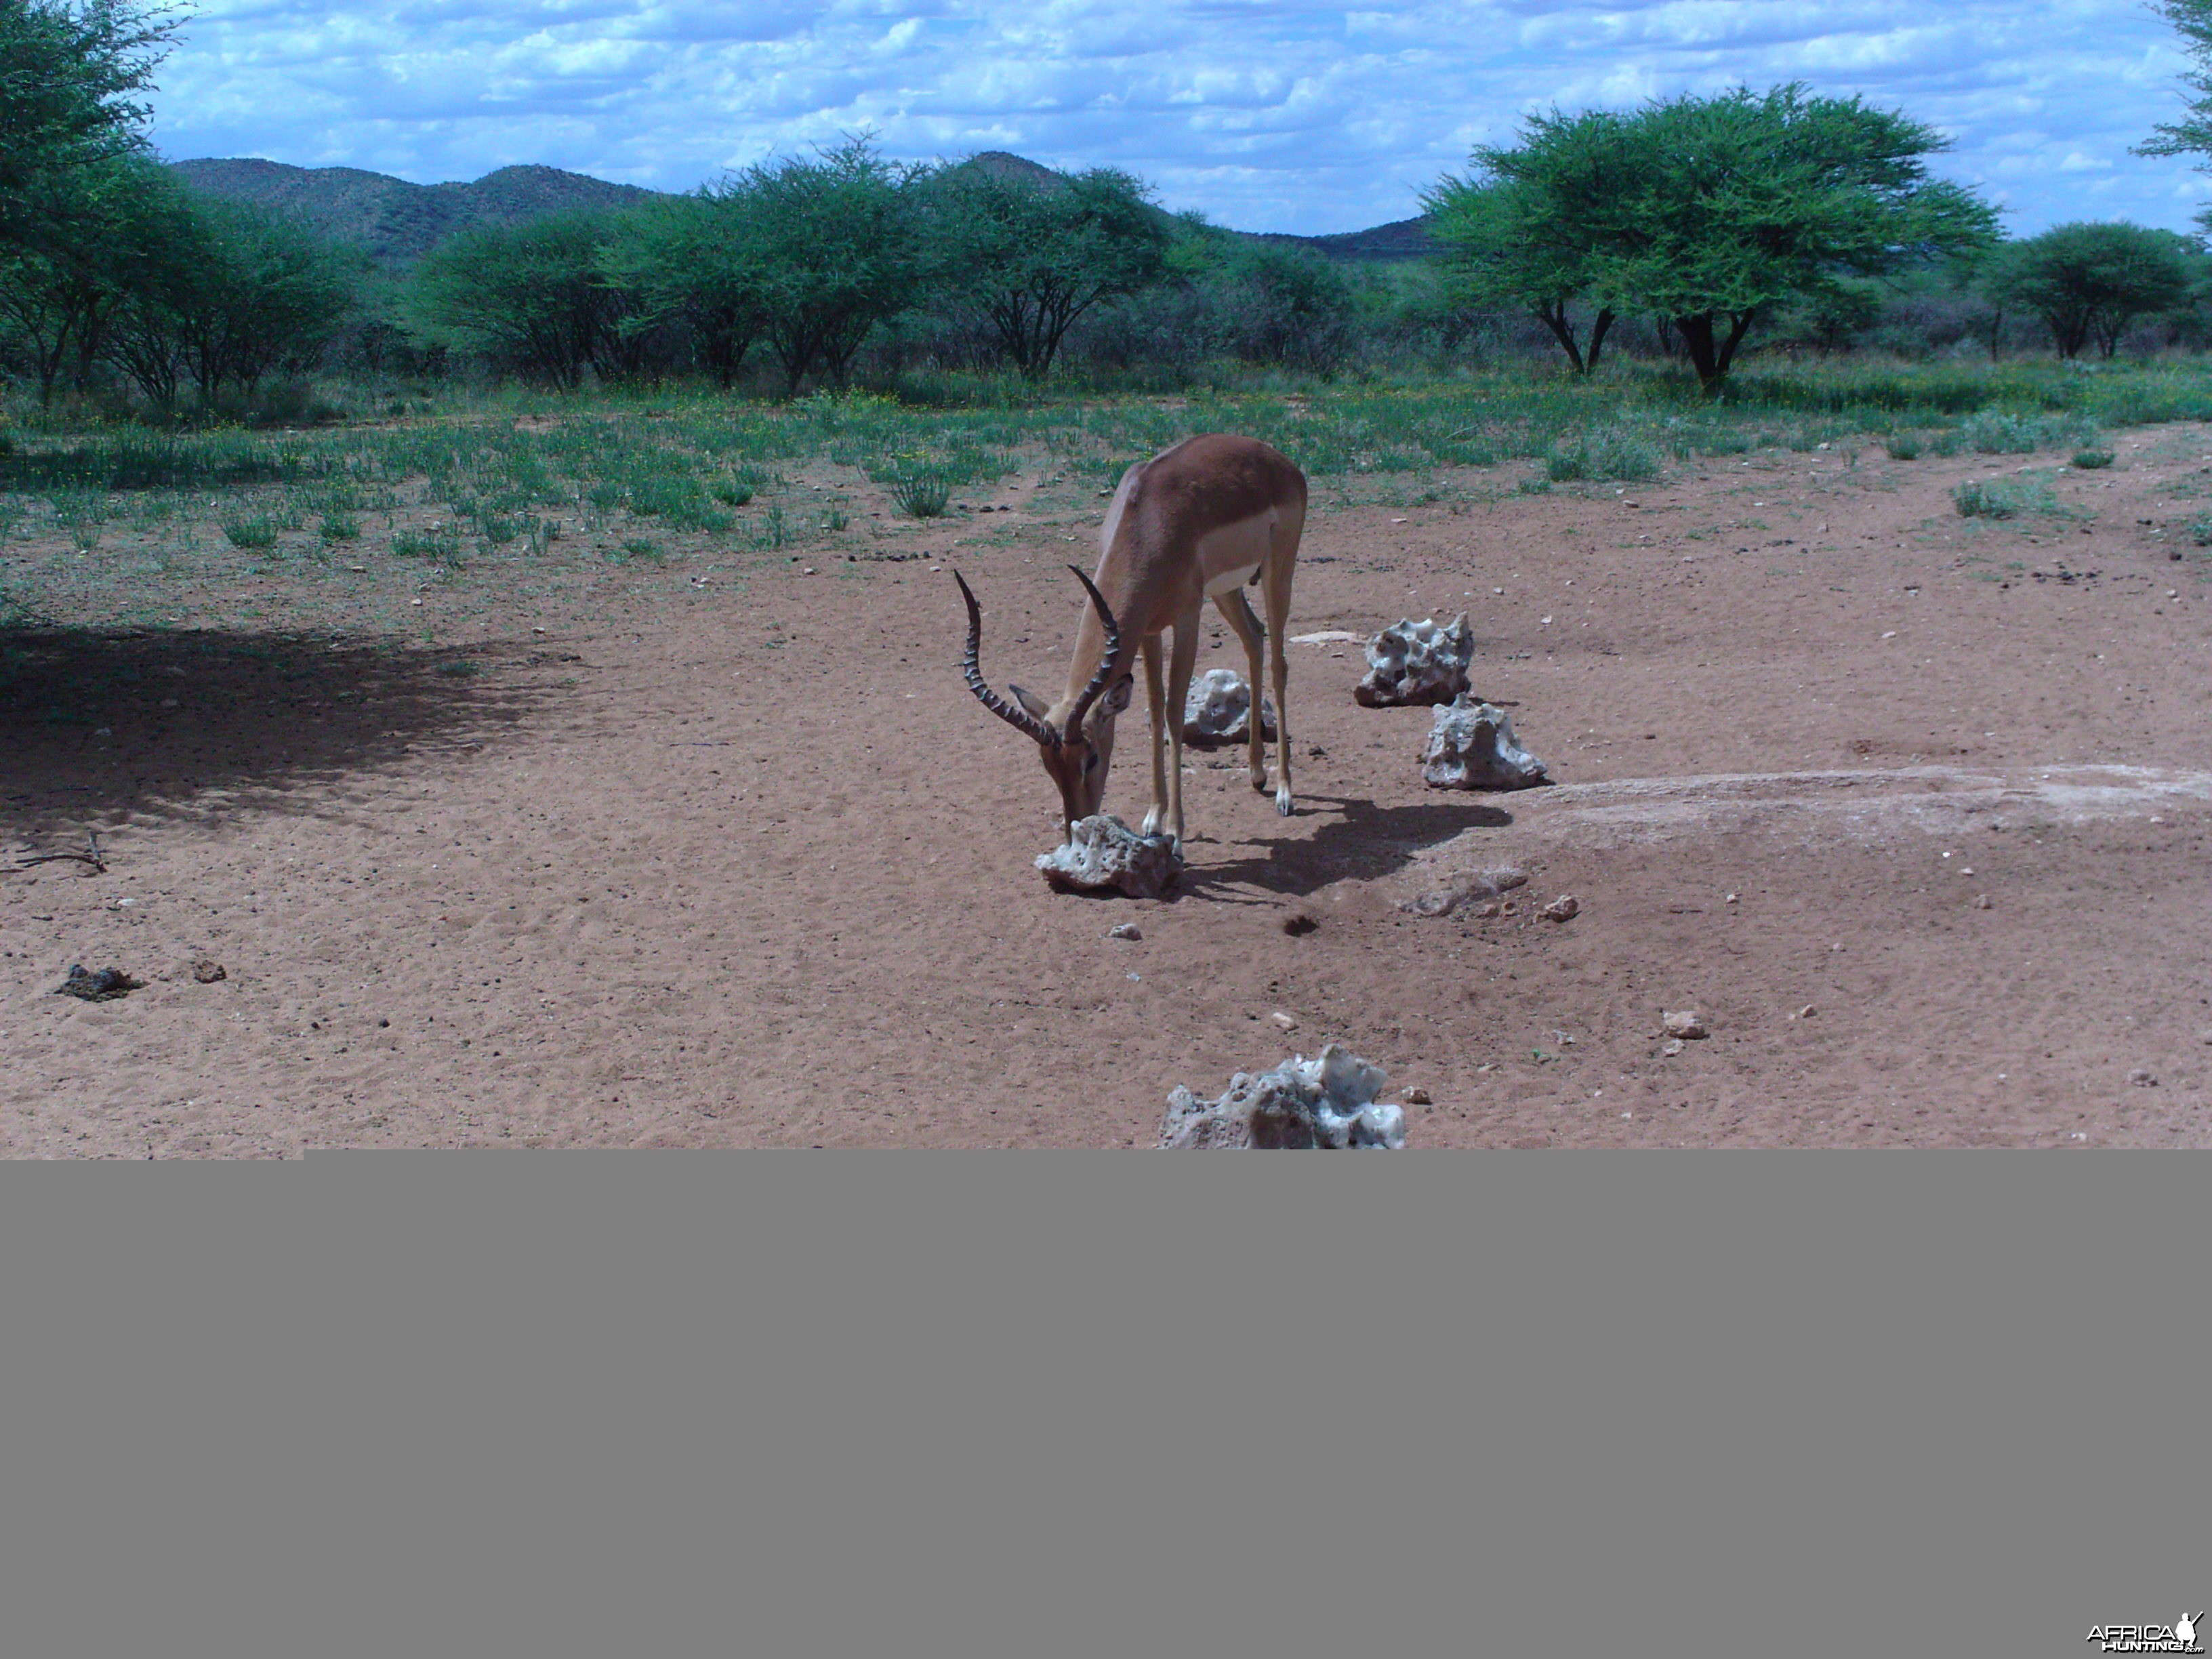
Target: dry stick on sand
[90,856]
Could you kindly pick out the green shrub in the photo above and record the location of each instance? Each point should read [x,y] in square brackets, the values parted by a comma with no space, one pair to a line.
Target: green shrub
[770,530]
[921,493]
[1903,446]
[1991,433]
[340,527]
[1608,453]
[2005,498]
[2090,459]
[443,544]
[259,531]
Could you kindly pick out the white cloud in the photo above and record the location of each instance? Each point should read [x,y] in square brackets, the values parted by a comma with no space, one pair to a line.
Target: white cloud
[1268,114]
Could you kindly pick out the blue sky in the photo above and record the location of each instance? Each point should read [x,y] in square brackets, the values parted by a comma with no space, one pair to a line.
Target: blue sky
[1266,114]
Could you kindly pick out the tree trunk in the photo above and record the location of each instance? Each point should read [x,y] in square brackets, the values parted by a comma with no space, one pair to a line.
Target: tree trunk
[1597,336]
[1697,332]
[1712,357]
[1739,325]
[1554,313]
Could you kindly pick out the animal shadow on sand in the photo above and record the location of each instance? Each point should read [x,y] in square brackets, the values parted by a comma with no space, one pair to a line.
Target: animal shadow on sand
[98,726]
[1360,842]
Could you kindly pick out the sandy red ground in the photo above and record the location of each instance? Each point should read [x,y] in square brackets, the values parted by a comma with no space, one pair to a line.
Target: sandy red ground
[756,869]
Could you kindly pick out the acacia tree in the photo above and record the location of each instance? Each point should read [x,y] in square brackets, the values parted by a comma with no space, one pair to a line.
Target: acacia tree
[534,297]
[694,264]
[2088,282]
[835,250]
[67,71]
[221,293]
[1510,242]
[1707,212]
[1029,256]
[2192,134]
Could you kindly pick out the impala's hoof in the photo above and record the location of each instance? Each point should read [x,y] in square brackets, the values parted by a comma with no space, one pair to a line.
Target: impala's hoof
[1283,800]
[1259,782]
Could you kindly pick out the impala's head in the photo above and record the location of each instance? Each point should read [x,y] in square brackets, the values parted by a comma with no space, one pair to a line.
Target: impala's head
[1076,743]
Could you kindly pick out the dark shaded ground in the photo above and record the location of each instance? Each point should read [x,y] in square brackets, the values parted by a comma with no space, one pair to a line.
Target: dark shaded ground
[98,726]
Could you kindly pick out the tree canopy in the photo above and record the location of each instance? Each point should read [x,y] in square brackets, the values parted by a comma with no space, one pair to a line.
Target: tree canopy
[1030,256]
[1707,213]
[2192,133]
[2088,282]
[68,69]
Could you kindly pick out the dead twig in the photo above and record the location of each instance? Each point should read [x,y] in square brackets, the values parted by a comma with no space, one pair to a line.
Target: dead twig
[89,857]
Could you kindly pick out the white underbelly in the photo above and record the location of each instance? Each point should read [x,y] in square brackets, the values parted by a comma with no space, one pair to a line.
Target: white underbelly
[1229,580]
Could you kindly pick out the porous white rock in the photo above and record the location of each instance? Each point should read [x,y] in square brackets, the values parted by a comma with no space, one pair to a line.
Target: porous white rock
[1413,662]
[1219,708]
[1104,854]
[1472,746]
[1326,1102]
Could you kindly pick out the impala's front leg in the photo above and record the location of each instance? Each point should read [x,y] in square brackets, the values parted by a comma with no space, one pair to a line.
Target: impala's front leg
[1155,698]
[1179,671]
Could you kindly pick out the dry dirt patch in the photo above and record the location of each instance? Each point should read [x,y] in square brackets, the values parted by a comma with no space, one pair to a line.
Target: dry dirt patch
[744,864]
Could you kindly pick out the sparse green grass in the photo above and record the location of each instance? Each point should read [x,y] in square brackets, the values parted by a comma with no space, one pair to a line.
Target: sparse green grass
[2008,498]
[689,472]
[1608,453]
[443,545]
[921,493]
[770,530]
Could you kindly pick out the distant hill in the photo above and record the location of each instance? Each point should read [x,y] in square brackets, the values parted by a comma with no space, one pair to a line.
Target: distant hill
[396,223]
[1402,239]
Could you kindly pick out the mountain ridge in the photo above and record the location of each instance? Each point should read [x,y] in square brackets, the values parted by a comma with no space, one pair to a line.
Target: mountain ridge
[397,221]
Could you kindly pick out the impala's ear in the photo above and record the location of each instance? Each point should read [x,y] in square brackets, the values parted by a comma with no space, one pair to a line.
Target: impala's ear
[1036,706]
[1118,698]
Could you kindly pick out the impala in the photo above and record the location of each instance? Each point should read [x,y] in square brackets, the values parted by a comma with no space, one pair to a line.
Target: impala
[1198,521]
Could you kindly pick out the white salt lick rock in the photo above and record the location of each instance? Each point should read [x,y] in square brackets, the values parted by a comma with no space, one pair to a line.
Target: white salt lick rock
[1417,662]
[1219,708]
[1472,746]
[1104,855]
[1325,1102]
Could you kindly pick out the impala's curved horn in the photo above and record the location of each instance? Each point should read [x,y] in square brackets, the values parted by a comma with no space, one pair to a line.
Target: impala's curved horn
[1107,666]
[1013,713]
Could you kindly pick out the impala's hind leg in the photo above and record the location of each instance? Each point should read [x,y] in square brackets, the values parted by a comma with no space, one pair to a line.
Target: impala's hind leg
[1155,700]
[1236,611]
[1276,583]
[1180,665]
